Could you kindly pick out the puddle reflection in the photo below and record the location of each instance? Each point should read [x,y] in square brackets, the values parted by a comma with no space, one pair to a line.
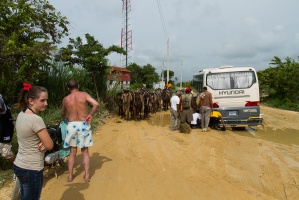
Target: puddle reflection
[160,120]
[285,136]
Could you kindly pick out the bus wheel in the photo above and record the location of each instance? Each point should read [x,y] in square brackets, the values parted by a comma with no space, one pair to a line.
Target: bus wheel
[240,128]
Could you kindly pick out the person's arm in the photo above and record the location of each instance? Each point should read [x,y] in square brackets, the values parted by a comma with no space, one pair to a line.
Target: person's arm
[46,141]
[178,108]
[221,119]
[95,105]
[198,101]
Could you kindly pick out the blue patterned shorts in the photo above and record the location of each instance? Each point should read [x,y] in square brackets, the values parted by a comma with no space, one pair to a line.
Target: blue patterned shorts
[78,134]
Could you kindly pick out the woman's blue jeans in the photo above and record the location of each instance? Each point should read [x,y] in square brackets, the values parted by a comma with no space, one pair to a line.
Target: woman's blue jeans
[31,183]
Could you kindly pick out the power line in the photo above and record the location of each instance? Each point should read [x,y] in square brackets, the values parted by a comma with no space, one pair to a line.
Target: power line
[166,35]
[162,19]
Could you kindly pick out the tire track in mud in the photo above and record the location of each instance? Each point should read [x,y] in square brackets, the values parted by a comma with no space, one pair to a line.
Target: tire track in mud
[154,158]
[285,167]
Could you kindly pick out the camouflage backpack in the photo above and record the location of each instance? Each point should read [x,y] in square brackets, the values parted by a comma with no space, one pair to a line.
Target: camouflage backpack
[186,101]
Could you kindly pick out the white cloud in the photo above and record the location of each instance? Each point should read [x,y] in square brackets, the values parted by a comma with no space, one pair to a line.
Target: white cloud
[206,33]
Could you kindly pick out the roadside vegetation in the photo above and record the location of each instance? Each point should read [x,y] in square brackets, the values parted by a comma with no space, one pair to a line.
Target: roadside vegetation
[280,84]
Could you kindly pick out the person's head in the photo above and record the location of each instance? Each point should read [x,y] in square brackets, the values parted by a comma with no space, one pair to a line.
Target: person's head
[178,93]
[205,88]
[187,90]
[33,97]
[72,84]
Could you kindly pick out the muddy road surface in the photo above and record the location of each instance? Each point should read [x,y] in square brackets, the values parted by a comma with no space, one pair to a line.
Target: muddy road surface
[144,160]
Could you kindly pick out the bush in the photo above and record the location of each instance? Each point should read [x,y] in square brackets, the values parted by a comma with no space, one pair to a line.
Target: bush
[136,86]
[285,104]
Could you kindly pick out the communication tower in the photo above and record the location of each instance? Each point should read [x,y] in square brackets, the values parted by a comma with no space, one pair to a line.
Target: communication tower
[126,34]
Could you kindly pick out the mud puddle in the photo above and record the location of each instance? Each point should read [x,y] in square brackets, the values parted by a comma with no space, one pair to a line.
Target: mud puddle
[162,120]
[282,136]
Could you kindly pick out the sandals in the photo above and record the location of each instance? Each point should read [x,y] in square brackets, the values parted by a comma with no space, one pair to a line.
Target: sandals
[70,179]
[87,180]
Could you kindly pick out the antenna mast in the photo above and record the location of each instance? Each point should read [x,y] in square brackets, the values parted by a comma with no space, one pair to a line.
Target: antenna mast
[126,34]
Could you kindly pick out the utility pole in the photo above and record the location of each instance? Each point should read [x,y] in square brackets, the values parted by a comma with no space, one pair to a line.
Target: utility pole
[181,74]
[162,75]
[167,61]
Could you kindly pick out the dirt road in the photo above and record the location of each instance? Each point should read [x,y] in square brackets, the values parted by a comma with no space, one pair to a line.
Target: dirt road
[140,161]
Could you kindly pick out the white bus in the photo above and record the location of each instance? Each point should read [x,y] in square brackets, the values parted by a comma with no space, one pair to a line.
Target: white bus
[235,92]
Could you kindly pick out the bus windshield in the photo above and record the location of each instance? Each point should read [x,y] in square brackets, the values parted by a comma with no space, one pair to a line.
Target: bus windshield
[231,80]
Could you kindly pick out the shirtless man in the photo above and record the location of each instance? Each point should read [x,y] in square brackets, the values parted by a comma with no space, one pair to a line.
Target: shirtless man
[75,107]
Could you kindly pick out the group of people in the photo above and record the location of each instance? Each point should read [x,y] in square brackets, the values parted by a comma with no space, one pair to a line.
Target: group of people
[202,116]
[34,139]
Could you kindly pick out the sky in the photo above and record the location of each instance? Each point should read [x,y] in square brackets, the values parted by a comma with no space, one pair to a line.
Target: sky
[201,33]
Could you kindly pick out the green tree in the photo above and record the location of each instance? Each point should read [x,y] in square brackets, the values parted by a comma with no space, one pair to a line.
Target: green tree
[143,75]
[92,57]
[136,73]
[281,82]
[29,32]
[149,75]
[171,74]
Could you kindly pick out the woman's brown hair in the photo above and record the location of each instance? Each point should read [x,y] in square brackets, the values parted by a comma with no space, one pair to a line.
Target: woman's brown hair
[26,93]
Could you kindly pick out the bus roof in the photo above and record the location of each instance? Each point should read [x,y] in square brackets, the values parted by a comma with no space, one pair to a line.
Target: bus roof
[224,69]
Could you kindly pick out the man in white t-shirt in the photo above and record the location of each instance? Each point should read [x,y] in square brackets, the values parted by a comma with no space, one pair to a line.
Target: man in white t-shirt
[175,111]
[195,123]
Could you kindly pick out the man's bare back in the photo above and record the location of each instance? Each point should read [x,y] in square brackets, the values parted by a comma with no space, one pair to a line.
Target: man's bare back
[76,105]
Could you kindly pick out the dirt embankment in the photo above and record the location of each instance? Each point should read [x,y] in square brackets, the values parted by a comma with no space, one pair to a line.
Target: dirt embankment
[136,160]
